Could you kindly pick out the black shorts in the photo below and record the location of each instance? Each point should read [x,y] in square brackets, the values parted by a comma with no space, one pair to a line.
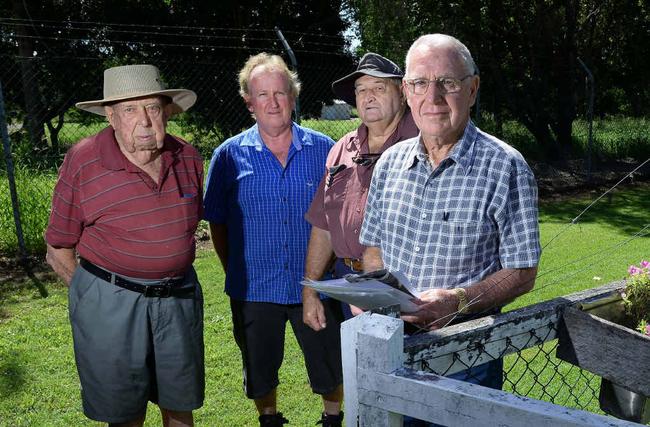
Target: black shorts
[259,332]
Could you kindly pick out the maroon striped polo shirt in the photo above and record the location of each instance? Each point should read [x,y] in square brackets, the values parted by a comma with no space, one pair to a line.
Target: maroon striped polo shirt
[117,217]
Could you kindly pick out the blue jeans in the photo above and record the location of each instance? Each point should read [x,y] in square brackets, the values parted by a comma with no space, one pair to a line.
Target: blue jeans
[488,375]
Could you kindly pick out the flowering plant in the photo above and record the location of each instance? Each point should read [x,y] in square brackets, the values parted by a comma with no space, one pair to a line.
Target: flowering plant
[636,297]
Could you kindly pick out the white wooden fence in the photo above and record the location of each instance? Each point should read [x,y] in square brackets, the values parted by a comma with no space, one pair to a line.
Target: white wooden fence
[383,376]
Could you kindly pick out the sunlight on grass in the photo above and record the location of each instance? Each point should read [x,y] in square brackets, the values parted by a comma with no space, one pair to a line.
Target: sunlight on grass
[39,385]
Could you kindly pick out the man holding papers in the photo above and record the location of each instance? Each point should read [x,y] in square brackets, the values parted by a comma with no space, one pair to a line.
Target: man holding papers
[336,212]
[454,209]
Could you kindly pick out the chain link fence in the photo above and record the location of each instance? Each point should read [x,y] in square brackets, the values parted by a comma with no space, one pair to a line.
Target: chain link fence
[42,122]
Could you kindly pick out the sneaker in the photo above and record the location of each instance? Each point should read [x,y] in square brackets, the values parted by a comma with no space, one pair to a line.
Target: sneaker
[273,420]
[331,420]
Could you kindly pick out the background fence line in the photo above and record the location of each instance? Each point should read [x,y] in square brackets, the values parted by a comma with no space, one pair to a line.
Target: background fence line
[42,122]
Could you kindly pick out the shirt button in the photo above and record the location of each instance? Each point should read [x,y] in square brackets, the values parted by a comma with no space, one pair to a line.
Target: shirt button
[424,216]
[358,209]
[356,231]
[417,249]
[284,222]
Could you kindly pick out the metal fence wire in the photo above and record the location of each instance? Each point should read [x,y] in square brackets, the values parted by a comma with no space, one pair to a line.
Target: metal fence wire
[531,370]
[42,122]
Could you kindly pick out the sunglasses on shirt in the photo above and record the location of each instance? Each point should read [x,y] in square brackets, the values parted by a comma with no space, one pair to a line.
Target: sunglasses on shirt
[367,159]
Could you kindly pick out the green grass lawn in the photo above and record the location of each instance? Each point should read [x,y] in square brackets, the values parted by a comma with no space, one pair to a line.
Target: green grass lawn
[38,381]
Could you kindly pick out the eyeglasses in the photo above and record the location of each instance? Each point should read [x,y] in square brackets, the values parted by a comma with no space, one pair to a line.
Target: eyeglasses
[367,159]
[444,84]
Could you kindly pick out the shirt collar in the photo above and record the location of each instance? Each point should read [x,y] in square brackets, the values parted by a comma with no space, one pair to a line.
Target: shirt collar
[404,127]
[462,153]
[113,159]
[299,137]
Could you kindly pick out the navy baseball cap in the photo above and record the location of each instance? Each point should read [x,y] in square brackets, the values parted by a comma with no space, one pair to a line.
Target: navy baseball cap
[371,64]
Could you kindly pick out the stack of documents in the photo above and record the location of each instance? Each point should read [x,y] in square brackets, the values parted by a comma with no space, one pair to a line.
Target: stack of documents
[376,289]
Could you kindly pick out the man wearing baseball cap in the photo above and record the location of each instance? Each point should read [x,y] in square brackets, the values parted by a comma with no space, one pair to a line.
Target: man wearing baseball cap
[121,236]
[336,213]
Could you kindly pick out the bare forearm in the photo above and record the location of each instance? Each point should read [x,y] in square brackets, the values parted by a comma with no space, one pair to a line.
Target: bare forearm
[372,259]
[219,237]
[500,288]
[63,261]
[319,253]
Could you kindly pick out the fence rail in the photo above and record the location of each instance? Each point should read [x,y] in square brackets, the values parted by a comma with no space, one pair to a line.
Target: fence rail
[389,375]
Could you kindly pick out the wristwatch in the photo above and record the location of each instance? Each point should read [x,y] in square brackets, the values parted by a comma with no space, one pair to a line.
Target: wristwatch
[462,300]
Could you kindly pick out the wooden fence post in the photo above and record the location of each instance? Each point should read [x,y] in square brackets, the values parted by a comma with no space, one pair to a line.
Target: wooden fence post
[370,343]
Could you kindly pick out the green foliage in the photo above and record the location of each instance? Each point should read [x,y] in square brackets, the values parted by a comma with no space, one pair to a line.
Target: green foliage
[614,138]
[34,192]
[529,54]
[335,129]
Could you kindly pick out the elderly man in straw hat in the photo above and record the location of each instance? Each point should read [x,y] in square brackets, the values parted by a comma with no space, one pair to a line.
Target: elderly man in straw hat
[121,235]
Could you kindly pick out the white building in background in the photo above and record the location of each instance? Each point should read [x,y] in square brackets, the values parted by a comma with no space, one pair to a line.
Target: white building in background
[339,110]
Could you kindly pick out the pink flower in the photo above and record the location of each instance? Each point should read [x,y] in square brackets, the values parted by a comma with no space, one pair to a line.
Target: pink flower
[645,264]
[647,329]
[633,270]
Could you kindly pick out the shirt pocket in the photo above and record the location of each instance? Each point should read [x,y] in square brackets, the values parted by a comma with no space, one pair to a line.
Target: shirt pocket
[466,245]
[336,188]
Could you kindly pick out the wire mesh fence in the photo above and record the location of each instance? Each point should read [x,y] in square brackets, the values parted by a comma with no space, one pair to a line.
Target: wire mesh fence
[42,122]
[532,370]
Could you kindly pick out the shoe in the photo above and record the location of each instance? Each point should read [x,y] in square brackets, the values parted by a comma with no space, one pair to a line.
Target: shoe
[331,420]
[273,420]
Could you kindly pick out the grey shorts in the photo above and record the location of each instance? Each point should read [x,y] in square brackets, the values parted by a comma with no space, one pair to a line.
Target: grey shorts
[131,349]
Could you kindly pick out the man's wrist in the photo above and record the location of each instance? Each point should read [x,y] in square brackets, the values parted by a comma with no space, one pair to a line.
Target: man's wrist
[308,292]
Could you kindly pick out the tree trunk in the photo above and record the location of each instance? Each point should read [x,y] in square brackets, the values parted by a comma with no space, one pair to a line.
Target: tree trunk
[54,131]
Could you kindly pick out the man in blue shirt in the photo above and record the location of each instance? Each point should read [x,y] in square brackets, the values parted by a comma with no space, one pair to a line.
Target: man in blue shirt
[259,187]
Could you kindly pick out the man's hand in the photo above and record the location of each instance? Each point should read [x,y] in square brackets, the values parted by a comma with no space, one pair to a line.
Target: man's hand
[437,309]
[63,261]
[356,310]
[313,313]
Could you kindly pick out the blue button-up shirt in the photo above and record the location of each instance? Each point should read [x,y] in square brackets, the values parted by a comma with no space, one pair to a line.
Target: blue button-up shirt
[263,205]
[452,226]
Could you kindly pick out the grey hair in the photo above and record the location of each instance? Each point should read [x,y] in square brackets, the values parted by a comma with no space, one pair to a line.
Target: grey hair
[437,40]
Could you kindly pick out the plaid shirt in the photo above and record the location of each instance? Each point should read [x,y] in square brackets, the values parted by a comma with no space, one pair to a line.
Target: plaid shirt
[451,226]
[263,205]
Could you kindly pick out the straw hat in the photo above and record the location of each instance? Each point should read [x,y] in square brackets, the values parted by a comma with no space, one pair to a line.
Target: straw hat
[135,81]
[371,64]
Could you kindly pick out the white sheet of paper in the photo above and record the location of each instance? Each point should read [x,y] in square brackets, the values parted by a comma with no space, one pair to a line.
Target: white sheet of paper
[367,294]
